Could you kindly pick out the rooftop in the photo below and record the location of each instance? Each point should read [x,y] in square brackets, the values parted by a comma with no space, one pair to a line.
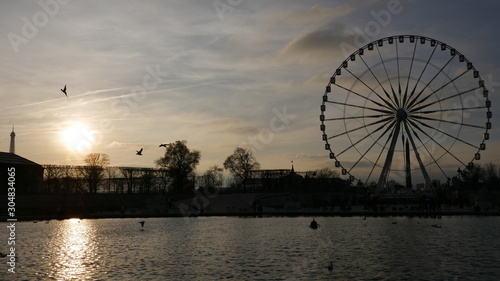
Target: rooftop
[12,158]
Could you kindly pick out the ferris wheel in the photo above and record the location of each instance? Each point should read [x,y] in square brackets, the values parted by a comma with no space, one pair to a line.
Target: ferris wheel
[406,109]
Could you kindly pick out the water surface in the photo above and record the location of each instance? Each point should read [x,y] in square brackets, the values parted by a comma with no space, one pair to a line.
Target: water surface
[275,248]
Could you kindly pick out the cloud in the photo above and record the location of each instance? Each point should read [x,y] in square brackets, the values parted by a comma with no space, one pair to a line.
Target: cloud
[115,144]
[226,126]
[317,44]
[314,15]
[225,77]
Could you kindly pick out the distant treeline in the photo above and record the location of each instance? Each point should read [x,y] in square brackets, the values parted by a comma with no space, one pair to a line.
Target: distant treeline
[88,179]
[478,181]
[85,179]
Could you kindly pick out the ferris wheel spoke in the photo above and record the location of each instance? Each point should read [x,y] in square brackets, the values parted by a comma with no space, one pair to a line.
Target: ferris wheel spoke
[444,133]
[444,99]
[435,161]
[365,137]
[436,142]
[399,75]
[452,109]
[393,106]
[460,93]
[447,121]
[395,99]
[389,106]
[409,74]
[435,91]
[362,107]
[421,74]
[356,117]
[415,99]
[361,127]
[373,143]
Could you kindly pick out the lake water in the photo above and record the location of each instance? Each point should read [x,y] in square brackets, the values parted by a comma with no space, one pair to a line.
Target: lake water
[231,248]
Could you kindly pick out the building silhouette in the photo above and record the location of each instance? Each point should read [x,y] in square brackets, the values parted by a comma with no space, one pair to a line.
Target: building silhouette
[28,175]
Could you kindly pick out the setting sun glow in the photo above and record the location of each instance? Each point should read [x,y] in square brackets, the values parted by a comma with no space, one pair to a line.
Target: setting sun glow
[77,137]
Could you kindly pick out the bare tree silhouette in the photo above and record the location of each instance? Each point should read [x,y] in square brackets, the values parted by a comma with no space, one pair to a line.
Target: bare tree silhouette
[93,171]
[241,164]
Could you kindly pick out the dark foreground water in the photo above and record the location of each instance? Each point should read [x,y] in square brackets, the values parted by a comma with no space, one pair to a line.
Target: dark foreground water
[230,248]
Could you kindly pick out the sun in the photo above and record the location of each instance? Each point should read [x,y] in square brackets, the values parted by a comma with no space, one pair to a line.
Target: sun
[77,137]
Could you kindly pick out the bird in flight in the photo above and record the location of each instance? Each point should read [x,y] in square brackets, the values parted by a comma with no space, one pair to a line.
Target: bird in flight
[64,91]
[139,152]
[142,223]
[163,145]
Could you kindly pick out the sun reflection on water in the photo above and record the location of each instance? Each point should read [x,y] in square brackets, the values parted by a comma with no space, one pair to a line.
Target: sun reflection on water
[77,258]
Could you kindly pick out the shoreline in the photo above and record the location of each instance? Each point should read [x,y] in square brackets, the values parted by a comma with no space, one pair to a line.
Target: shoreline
[265,214]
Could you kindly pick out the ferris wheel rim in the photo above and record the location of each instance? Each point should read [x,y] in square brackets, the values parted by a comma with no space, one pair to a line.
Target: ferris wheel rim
[396,104]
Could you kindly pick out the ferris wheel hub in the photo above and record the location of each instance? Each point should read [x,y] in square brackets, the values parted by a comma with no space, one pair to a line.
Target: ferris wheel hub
[401,114]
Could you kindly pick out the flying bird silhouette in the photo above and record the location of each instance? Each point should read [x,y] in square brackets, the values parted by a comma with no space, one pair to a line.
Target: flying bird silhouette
[139,152]
[330,267]
[142,223]
[164,145]
[64,91]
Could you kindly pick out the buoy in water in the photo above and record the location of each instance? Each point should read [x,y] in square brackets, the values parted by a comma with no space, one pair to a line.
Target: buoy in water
[314,224]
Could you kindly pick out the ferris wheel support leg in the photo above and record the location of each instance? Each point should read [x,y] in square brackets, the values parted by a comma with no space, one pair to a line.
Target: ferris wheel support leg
[388,160]
[428,183]
[407,164]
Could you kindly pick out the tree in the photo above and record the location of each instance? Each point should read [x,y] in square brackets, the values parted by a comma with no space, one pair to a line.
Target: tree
[473,176]
[240,164]
[147,180]
[326,173]
[93,171]
[180,162]
[163,180]
[111,179]
[212,178]
[490,175]
[130,174]
[52,178]
[71,179]
[325,179]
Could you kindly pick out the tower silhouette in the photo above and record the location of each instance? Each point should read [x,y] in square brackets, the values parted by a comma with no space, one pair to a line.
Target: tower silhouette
[12,148]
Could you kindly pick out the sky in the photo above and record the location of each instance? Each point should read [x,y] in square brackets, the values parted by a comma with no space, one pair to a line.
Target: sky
[216,73]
